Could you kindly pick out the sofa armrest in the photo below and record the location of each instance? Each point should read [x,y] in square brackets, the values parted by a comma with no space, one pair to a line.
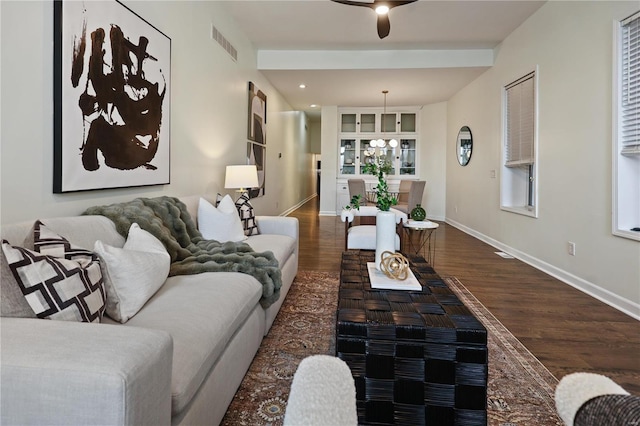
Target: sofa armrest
[280,225]
[59,372]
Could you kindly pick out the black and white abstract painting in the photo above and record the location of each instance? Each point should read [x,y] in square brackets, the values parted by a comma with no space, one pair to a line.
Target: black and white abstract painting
[112,87]
[257,128]
[257,135]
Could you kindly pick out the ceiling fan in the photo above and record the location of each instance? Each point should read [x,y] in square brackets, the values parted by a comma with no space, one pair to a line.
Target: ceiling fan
[382,8]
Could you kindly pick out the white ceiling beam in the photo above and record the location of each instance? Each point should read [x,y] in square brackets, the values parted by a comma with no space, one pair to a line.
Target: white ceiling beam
[372,59]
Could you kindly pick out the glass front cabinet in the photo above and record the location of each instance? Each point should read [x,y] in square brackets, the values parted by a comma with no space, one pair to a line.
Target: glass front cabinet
[359,127]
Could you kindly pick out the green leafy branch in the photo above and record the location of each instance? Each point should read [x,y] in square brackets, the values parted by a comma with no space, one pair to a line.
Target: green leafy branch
[354,203]
[379,168]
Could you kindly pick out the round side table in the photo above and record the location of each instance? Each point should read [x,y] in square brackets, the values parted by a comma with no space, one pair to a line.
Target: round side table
[420,238]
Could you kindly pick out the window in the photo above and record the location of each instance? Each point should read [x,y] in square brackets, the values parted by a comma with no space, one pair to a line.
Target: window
[626,138]
[518,183]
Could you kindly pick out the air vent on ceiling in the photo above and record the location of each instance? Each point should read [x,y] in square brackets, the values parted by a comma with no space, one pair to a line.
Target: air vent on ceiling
[222,41]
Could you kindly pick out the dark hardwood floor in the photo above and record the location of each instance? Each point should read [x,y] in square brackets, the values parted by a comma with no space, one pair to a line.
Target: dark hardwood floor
[567,330]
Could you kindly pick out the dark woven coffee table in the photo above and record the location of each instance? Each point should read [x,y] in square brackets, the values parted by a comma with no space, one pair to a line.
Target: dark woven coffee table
[417,357]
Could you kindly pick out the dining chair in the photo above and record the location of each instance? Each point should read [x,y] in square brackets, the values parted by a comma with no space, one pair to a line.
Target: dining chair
[357,187]
[410,195]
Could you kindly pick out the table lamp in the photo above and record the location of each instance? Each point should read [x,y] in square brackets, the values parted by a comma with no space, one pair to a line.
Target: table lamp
[241,177]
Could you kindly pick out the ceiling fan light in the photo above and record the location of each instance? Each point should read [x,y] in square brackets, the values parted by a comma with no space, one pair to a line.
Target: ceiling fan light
[383,9]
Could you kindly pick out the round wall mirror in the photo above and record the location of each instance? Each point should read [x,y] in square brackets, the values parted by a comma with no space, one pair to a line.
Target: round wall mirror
[464,145]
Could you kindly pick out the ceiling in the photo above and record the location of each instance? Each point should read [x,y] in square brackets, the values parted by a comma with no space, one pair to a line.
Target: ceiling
[322,26]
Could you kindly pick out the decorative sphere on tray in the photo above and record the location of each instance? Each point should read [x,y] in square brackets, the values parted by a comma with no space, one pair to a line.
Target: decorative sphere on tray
[418,213]
[394,265]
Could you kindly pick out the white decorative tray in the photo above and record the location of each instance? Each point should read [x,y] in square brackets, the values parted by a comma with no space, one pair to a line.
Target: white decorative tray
[380,281]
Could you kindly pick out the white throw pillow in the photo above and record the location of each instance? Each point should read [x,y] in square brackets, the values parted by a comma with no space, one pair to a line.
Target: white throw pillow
[221,223]
[133,273]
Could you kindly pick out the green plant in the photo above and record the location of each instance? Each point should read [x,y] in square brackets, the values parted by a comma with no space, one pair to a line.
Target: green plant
[380,167]
[354,203]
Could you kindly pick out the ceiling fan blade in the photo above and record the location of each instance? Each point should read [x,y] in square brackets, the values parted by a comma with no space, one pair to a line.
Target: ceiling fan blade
[355,3]
[396,3]
[384,26]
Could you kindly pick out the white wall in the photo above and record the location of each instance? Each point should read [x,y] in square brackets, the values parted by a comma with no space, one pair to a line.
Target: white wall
[571,44]
[208,114]
[329,143]
[315,135]
[433,151]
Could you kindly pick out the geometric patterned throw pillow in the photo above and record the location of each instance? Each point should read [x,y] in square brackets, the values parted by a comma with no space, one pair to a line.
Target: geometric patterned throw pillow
[247,215]
[58,280]
[219,198]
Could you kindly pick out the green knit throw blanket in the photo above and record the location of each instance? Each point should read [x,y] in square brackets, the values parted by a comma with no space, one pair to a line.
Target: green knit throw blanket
[168,220]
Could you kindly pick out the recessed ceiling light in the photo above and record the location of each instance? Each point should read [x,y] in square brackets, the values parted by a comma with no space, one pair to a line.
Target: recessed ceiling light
[302,86]
[313,105]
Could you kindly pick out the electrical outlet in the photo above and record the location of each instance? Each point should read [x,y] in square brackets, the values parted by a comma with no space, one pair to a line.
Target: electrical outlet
[572,248]
[492,174]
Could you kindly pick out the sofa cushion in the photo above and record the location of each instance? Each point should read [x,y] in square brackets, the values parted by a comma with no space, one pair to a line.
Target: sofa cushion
[132,274]
[58,280]
[12,301]
[282,246]
[82,231]
[220,223]
[201,313]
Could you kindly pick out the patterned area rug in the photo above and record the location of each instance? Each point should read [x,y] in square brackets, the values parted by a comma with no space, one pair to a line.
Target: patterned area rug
[520,390]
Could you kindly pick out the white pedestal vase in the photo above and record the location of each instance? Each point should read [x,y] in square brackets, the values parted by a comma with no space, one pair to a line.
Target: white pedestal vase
[385,234]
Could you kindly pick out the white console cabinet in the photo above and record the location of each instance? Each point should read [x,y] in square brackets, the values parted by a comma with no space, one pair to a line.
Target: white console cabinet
[357,127]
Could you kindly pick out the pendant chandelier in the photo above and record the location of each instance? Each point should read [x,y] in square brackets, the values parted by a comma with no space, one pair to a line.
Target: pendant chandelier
[381,143]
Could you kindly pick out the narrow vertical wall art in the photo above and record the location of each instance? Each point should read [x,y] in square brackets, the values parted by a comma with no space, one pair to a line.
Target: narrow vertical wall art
[257,135]
[112,86]
[256,155]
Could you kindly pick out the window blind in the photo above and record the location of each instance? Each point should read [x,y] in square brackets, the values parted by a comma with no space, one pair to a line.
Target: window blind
[630,101]
[520,115]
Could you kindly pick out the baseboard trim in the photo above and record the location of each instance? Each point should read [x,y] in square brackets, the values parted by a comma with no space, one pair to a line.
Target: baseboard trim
[297,206]
[623,305]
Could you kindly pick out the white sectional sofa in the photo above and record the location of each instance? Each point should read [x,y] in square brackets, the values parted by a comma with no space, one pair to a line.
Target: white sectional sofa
[179,360]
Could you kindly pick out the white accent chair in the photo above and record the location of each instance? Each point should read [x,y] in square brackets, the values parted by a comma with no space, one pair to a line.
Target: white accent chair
[363,237]
[322,393]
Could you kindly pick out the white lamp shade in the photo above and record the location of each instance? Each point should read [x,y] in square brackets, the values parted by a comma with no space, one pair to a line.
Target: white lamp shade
[241,176]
